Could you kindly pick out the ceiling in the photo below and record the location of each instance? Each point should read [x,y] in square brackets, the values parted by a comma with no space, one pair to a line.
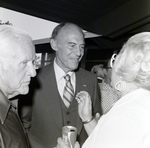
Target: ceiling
[116,20]
[81,12]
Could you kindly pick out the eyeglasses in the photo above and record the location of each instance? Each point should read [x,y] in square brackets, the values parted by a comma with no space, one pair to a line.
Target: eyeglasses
[112,60]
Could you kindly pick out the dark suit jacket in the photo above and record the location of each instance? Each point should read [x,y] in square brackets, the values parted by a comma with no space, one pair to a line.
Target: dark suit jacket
[47,118]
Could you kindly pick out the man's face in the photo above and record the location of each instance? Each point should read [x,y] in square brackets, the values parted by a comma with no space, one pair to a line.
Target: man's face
[16,71]
[69,49]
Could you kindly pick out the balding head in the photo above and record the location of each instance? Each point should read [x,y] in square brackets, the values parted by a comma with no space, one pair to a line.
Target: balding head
[64,27]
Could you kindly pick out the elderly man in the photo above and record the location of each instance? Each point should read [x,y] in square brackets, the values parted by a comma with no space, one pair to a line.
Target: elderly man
[17,55]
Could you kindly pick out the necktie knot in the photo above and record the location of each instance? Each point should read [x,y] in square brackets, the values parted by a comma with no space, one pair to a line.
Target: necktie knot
[67,78]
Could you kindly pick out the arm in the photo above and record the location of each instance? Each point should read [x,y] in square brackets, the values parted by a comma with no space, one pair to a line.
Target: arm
[25,112]
[34,142]
[25,105]
[90,125]
[85,111]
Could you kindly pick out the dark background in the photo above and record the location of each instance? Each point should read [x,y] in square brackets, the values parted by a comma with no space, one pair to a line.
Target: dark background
[115,20]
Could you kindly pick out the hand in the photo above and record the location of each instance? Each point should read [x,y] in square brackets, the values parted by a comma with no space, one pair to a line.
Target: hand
[61,144]
[84,108]
[97,116]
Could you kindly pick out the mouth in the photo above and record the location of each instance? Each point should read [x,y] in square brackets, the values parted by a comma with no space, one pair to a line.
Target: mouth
[27,82]
[76,60]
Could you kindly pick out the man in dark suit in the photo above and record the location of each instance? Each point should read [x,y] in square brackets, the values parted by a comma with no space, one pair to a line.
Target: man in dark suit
[50,109]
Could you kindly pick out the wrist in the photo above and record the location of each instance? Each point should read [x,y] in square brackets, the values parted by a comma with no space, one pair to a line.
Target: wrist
[88,121]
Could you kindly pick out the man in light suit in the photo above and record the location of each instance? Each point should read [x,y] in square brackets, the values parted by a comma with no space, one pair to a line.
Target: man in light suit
[50,112]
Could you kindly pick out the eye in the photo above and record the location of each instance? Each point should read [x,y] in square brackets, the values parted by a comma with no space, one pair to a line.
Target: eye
[23,64]
[71,44]
[82,47]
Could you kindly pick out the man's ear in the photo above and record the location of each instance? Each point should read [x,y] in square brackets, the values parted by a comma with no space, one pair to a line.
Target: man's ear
[53,44]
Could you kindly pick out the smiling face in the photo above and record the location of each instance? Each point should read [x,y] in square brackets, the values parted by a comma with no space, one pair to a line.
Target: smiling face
[16,71]
[69,47]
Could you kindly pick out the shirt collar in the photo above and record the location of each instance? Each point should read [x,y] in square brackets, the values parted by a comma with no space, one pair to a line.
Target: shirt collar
[4,107]
[59,72]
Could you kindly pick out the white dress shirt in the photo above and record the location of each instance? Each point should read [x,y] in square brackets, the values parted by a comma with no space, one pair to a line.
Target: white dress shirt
[60,78]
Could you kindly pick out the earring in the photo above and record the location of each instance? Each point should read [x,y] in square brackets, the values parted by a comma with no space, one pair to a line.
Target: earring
[120,86]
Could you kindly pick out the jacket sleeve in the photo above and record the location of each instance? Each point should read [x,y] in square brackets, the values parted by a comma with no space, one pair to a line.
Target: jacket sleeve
[25,113]
[25,104]
[34,142]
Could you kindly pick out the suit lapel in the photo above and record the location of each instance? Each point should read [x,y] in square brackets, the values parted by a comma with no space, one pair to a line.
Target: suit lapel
[52,97]
[81,83]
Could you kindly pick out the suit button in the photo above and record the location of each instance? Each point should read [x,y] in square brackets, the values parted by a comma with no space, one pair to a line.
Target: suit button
[68,122]
[68,113]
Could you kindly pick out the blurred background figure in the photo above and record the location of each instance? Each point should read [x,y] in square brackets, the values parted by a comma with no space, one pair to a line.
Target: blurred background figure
[108,94]
[98,70]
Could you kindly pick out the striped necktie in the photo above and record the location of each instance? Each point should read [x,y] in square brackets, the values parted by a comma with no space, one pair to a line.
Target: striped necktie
[68,91]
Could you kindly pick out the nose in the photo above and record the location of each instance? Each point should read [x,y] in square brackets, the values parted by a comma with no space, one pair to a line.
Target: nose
[78,51]
[32,71]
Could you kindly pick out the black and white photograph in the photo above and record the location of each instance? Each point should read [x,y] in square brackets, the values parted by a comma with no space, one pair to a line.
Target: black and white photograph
[74,73]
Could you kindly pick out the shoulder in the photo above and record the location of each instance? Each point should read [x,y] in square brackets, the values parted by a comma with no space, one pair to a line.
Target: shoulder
[43,74]
[45,70]
[86,72]
[83,71]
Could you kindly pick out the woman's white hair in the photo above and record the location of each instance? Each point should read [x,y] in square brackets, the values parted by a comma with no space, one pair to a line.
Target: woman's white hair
[133,62]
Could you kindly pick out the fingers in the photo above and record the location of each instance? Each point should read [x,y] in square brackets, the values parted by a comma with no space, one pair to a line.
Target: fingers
[80,97]
[84,105]
[83,97]
[61,143]
[77,145]
[97,116]
[84,100]
[59,140]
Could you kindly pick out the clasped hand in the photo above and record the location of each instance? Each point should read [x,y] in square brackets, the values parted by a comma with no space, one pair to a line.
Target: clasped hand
[84,105]
[62,144]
